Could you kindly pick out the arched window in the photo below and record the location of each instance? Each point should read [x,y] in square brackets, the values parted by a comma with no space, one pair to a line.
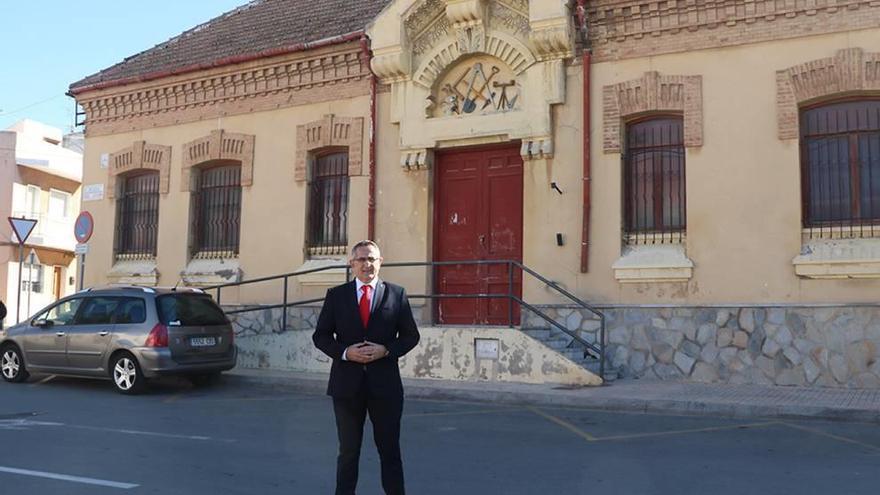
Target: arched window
[840,168]
[654,181]
[217,211]
[328,205]
[137,216]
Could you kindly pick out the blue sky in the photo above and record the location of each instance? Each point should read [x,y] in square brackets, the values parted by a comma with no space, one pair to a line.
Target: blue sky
[47,44]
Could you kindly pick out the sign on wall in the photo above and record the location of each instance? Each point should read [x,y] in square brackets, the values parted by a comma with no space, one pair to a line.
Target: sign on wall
[93,192]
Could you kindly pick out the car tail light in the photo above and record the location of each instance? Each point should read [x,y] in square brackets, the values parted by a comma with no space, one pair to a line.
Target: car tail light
[158,336]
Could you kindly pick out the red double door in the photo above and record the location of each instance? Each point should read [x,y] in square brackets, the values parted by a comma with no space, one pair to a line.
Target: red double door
[478,215]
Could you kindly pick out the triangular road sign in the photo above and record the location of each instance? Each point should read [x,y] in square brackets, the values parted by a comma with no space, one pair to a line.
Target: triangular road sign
[22,227]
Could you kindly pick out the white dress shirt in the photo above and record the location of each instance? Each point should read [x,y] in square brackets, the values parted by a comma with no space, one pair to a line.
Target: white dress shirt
[359,293]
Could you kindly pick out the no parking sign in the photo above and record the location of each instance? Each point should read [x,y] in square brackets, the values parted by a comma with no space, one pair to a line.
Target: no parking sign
[83,227]
[82,230]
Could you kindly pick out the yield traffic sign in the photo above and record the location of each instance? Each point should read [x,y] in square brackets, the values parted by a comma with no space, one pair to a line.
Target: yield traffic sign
[22,228]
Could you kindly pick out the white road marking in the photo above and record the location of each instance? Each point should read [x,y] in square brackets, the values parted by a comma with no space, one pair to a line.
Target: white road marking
[148,433]
[64,477]
[21,424]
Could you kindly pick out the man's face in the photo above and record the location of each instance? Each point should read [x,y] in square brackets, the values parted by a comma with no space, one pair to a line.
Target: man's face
[366,263]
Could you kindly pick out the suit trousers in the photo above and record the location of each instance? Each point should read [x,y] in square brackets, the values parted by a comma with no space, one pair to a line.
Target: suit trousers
[385,414]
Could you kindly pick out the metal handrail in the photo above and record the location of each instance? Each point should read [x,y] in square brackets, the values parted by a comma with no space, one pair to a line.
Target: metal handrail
[588,346]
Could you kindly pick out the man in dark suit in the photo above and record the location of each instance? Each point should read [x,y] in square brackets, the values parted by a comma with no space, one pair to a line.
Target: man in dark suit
[365,326]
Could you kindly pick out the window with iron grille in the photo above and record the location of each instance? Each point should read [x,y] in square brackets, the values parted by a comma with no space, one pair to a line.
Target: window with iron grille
[654,181]
[840,169]
[137,216]
[328,205]
[217,211]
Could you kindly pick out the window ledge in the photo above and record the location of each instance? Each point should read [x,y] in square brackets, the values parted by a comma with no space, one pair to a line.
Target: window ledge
[658,263]
[838,258]
[329,278]
[134,272]
[204,272]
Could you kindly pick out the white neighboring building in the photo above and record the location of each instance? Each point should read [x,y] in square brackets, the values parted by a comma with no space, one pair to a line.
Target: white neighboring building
[39,179]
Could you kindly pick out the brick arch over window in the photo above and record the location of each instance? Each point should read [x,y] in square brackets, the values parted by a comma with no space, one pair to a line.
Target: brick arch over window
[653,93]
[848,71]
[140,155]
[219,145]
[330,132]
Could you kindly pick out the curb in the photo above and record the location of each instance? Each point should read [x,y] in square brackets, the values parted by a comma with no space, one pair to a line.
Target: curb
[599,398]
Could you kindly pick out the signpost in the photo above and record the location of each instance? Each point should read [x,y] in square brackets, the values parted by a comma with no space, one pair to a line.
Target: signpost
[22,228]
[32,260]
[82,230]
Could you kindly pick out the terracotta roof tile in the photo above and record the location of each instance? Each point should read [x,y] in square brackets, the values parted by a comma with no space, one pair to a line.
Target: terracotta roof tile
[250,29]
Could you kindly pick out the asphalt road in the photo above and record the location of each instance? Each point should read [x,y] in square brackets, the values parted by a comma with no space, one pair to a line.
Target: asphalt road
[71,437]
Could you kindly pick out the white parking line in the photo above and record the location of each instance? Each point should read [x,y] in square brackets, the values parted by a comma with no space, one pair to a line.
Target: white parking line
[64,477]
[22,424]
[150,433]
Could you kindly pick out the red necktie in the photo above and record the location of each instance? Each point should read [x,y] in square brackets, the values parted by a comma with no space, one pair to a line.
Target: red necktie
[365,305]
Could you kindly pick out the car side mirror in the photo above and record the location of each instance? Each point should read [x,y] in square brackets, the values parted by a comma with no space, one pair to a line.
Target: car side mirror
[43,323]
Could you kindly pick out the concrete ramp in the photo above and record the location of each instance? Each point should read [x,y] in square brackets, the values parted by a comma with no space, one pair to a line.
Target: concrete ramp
[473,354]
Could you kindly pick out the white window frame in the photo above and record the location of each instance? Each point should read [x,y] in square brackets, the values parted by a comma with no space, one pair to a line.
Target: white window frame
[65,214]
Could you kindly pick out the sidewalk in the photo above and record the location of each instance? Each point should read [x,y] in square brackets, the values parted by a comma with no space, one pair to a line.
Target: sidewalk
[741,401]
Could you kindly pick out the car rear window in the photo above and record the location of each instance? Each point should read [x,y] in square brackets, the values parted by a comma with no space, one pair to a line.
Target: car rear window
[188,310]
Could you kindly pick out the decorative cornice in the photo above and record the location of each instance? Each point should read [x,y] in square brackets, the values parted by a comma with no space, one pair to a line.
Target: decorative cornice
[620,29]
[276,83]
[653,93]
[219,145]
[140,155]
[537,148]
[553,38]
[416,159]
[331,131]
[468,18]
[463,13]
[392,64]
[850,70]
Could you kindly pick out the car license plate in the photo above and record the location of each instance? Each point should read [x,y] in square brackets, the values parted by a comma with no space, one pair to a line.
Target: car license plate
[202,341]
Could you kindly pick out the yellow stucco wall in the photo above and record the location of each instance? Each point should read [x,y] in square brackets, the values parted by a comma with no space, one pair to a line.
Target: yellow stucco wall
[273,214]
[743,195]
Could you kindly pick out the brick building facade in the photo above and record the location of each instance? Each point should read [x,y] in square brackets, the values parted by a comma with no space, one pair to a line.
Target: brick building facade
[705,173]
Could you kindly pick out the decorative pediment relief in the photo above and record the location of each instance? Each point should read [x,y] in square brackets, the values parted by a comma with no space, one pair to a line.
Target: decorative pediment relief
[653,93]
[140,155]
[460,70]
[219,145]
[849,71]
[329,132]
[438,32]
[477,87]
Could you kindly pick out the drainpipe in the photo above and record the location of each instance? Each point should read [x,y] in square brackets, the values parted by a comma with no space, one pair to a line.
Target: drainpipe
[585,231]
[371,202]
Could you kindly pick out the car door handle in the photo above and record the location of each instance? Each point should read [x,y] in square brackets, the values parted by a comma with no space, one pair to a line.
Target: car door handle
[60,334]
[103,333]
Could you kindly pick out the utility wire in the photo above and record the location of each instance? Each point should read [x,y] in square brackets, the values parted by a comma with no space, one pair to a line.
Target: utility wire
[3,114]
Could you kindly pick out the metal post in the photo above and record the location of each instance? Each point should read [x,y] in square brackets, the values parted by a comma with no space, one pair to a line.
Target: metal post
[602,346]
[82,269]
[218,296]
[510,294]
[284,309]
[18,298]
[30,283]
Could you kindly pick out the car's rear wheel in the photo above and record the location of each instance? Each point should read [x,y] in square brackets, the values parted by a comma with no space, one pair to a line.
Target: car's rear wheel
[12,364]
[126,374]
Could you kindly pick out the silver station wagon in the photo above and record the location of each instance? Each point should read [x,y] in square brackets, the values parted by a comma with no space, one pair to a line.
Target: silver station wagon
[126,334]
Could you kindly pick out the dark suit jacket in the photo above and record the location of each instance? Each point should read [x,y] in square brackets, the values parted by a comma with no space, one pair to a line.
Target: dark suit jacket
[391,324]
